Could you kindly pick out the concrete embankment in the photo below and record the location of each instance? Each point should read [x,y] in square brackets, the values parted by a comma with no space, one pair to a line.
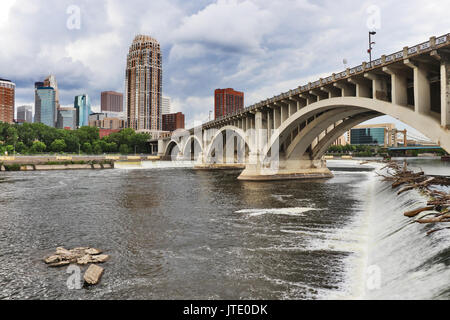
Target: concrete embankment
[44,167]
[50,162]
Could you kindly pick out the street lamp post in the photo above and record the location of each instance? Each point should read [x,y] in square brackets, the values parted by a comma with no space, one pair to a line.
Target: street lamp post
[371,33]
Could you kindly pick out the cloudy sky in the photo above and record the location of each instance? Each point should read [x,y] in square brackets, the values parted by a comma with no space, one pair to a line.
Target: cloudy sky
[261,47]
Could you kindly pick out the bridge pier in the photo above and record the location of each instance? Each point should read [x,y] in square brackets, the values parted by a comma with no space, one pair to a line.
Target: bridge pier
[445,92]
[285,170]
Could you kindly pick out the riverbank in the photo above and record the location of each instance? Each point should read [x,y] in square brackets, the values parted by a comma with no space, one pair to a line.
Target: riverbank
[56,162]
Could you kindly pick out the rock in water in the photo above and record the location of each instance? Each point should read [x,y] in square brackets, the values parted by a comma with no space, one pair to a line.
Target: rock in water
[62,251]
[59,264]
[84,260]
[93,274]
[100,258]
[52,259]
[92,251]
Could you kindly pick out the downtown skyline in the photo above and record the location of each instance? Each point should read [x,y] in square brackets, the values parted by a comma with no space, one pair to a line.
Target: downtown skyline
[261,51]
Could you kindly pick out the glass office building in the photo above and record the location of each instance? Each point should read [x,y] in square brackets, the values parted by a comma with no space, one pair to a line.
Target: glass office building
[368,136]
[82,105]
[45,106]
[67,118]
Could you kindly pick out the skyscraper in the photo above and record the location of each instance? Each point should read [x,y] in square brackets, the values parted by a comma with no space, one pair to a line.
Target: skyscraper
[42,104]
[227,101]
[143,84]
[50,81]
[7,95]
[111,101]
[67,118]
[25,114]
[82,105]
[45,106]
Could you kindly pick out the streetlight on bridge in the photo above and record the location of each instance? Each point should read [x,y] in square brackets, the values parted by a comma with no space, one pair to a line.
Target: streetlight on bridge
[371,33]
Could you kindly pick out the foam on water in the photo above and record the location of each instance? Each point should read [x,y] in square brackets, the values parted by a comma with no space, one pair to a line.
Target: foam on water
[281,197]
[154,165]
[297,211]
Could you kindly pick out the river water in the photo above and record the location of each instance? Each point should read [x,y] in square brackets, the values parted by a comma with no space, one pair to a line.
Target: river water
[177,233]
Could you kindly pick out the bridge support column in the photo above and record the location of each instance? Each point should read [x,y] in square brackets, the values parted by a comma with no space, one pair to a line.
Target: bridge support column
[276,117]
[362,87]
[292,108]
[445,93]
[422,96]
[399,86]
[285,170]
[379,86]
[162,145]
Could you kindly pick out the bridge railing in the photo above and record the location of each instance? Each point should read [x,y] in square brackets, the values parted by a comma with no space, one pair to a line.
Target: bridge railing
[432,44]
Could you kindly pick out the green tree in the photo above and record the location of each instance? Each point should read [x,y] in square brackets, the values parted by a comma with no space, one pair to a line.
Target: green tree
[21,147]
[96,147]
[58,145]
[12,136]
[123,149]
[87,147]
[38,147]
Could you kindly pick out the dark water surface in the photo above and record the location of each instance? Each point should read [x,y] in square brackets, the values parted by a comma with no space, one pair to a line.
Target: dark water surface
[181,234]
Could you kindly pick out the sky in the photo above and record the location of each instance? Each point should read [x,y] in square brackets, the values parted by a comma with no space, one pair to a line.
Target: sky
[260,47]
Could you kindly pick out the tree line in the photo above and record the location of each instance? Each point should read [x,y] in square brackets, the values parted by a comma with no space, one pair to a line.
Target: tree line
[371,151]
[35,138]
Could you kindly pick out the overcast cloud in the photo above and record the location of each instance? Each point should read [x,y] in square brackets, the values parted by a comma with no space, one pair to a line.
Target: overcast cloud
[261,47]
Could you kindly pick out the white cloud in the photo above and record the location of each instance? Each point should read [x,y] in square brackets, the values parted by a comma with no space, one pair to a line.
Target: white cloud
[260,47]
[228,24]
[5,6]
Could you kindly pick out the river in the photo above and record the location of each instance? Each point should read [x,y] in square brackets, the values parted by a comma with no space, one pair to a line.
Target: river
[177,233]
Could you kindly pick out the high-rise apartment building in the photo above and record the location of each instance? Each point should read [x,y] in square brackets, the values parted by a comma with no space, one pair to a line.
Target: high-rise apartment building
[111,101]
[143,84]
[7,96]
[45,106]
[165,105]
[227,101]
[82,105]
[172,121]
[25,114]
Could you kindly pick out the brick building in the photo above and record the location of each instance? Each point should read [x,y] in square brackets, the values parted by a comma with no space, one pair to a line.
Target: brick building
[172,121]
[227,101]
[111,101]
[7,94]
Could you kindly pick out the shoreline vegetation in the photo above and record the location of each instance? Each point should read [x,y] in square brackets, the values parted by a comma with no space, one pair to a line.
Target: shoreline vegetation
[368,151]
[37,138]
[437,209]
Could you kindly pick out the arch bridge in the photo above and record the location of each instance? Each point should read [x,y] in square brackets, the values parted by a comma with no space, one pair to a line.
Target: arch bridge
[286,136]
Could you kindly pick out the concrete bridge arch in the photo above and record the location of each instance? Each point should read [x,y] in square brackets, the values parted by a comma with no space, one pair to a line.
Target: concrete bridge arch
[212,142]
[348,109]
